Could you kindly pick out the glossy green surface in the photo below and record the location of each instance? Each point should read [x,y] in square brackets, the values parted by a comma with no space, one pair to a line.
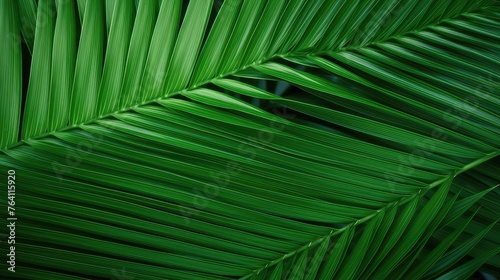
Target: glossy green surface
[244,139]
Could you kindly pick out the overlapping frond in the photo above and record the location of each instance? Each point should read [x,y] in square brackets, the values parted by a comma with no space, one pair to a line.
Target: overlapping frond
[163,54]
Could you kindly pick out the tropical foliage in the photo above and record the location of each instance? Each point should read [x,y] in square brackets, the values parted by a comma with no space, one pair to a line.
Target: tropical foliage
[251,139]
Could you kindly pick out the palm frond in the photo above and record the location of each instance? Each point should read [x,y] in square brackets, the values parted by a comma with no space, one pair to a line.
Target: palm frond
[254,140]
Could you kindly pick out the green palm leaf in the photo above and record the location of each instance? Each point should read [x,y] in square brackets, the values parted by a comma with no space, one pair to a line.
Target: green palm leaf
[252,139]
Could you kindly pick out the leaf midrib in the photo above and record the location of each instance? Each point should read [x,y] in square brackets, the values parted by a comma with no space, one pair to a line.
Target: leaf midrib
[257,62]
[399,202]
